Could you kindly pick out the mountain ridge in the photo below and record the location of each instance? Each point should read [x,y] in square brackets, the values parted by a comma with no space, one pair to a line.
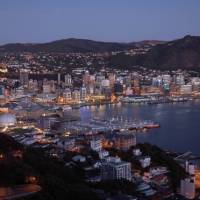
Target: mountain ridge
[181,53]
[74,45]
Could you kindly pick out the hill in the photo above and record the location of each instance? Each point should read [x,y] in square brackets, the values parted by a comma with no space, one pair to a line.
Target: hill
[182,53]
[73,45]
[177,54]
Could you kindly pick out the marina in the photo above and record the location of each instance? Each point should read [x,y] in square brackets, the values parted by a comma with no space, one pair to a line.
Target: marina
[97,125]
[174,132]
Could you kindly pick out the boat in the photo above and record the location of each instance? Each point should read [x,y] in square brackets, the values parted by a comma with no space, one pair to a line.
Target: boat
[150,125]
[66,108]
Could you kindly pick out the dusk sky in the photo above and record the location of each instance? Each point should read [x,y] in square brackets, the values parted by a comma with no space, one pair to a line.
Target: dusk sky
[104,20]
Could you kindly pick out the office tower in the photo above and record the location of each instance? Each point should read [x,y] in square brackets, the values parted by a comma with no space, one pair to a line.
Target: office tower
[2,89]
[86,78]
[68,80]
[112,78]
[46,87]
[67,95]
[76,95]
[83,93]
[24,77]
[59,78]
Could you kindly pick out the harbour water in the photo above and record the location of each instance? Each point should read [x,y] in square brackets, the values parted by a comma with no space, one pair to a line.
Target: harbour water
[180,122]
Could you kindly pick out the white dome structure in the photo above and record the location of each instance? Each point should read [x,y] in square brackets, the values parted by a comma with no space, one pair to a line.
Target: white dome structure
[7,120]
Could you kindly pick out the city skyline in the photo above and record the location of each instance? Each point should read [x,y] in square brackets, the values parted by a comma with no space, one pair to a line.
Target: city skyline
[99,100]
[38,22]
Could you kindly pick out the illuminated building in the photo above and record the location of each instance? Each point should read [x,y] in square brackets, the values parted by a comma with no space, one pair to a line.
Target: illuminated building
[24,77]
[91,89]
[96,144]
[83,93]
[68,80]
[129,91]
[186,89]
[112,78]
[99,79]
[86,78]
[66,143]
[188,188]
[7,120]
[46,88]
[151,90]
[124,140]
[33,85]
[76,95]
[166,79]
[137,152]
[67,95]
[2,89]
[3,68]
[113,168]
[105,88]
[19,91]
[2,100]
[136,85]
[145,161]
[46,122]
[45,98]
[59,78]
[190,168]
[127,80]
[92,79]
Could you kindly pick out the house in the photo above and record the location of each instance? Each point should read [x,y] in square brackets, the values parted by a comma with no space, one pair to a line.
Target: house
[103,154]
[145,161]
[137,152]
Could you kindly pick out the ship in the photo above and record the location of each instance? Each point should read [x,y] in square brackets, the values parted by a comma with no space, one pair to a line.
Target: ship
[150,125]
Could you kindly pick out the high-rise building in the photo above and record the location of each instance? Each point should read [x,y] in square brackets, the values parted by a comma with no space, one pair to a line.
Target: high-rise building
[166,79]
[180,79]
[2,89]
[67,95]
[24,77]
[68,80]
[83,93]
[59,78]
[86,78]
[190,168]
[112,78]
[118,88]
[46,122]
[113,168]
[99,79]
[76,95]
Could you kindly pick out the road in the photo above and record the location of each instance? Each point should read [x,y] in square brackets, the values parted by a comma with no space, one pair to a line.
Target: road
[9,193]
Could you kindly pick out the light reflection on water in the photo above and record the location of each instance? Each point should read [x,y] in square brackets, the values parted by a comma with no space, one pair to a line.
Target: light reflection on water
[180,123]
